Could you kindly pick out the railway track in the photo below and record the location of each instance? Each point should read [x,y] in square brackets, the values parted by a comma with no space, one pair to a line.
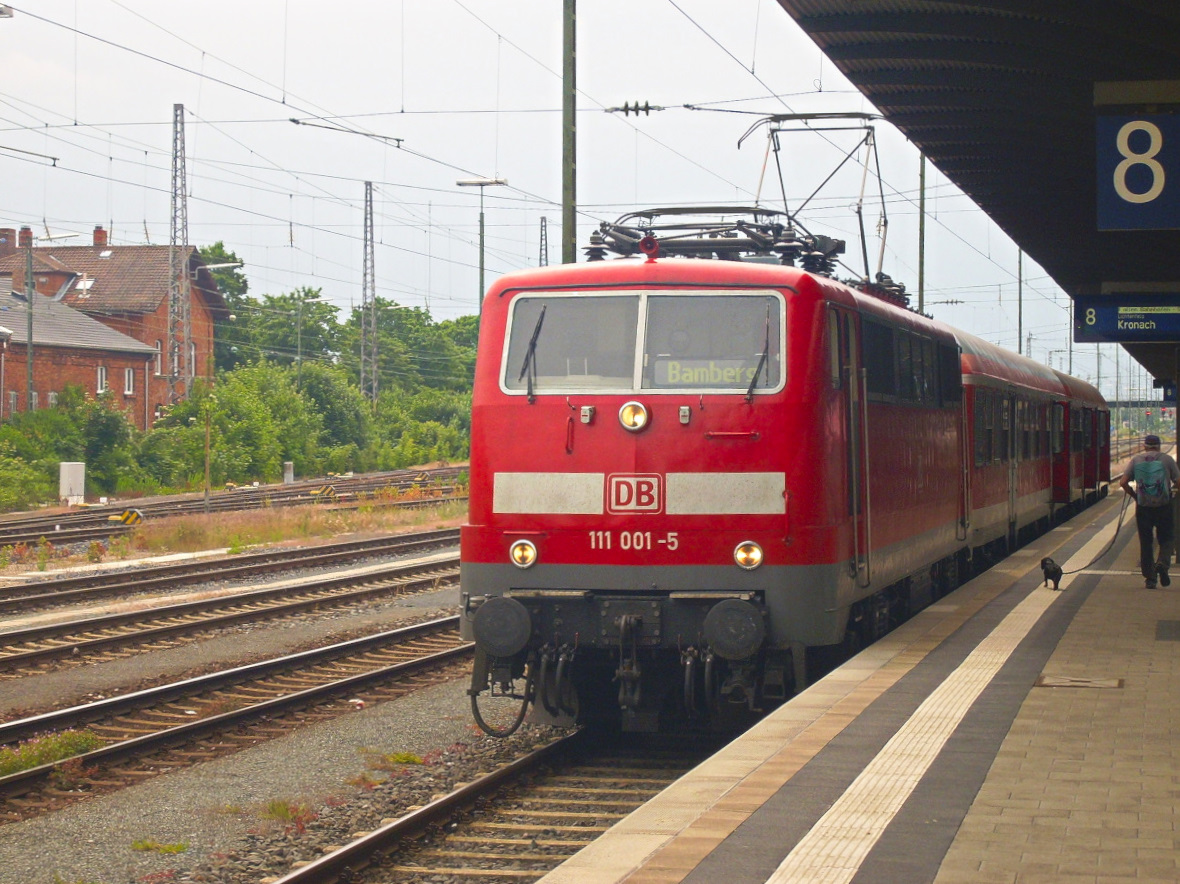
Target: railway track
[153,730]
[89,587]
[401,489]
[516,823]
[79,639]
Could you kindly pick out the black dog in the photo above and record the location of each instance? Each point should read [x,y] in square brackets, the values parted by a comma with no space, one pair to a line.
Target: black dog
[1052,571]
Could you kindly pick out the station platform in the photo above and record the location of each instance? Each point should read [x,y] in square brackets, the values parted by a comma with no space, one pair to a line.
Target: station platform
[1007,733]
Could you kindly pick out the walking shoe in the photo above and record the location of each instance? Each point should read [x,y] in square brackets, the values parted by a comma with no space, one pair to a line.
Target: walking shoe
[1161,571]
[1149,584]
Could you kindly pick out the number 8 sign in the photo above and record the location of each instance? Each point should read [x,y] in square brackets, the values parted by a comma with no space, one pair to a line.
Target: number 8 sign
[1138,172]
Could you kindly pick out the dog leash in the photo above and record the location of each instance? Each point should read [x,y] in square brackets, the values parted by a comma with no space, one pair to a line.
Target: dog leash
[1109,546]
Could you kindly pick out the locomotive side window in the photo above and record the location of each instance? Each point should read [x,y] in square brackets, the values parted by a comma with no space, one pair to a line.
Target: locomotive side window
[950,375]
[572,343]
[909,366]
[877,341]
[727,342]
[835,372]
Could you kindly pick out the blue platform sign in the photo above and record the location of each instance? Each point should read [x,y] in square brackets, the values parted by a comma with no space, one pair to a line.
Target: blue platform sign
[1138,172]
[1126,317]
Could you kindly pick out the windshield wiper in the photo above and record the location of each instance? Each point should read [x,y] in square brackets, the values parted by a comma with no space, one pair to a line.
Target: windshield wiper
[530,357]
[761,361]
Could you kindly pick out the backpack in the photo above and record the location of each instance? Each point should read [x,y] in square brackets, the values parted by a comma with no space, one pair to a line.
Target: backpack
[1151,480]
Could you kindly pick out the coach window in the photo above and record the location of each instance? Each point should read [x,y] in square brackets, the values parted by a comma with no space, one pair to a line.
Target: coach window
[983,427]
[1003,429]
[1087,428]
[1057,428]
[877,344]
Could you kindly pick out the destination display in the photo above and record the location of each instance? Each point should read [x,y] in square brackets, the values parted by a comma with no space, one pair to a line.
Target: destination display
[1126,317]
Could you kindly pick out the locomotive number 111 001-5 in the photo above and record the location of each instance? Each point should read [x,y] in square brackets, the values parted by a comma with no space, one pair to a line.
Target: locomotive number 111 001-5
[628,540]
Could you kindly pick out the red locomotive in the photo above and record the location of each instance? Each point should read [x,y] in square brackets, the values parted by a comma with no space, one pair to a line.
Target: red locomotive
[694,480]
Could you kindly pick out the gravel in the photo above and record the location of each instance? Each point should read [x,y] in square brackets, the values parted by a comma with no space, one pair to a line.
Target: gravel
[216,821]
[219,810]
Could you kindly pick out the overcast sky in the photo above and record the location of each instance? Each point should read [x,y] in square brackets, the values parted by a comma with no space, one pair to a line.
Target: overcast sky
[473,89]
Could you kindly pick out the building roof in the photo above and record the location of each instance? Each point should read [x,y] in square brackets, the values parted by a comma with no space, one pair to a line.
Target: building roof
[115,279]
[57,325]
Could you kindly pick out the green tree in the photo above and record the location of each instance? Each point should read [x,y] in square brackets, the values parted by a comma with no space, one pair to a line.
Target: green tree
[412,350]
[21,484]
[418,428]
[345,414]
[298,426]
[295,327]
[228,349]
[110,446]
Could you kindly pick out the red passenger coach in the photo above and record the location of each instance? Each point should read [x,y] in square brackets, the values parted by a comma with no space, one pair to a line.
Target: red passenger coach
[694,480]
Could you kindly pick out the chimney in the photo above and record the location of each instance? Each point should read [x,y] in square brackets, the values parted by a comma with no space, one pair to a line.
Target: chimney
[100,237]
[26,237]
[7,241]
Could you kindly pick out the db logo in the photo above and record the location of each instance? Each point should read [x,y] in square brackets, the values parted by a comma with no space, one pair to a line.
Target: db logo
[634,494]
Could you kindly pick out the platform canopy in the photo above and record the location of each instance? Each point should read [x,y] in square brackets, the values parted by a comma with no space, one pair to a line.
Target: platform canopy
[1007,99]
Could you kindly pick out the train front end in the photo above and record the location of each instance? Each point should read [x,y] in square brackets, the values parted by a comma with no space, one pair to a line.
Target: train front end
[629,506]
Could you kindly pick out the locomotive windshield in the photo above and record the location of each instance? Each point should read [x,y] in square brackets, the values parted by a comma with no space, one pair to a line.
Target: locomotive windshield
[685,341]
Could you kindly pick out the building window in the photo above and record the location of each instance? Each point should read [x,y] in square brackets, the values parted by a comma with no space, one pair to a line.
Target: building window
[52,400]
[100,385]
[192,360]
[128,381]
[12,401]
[35,400]
[159,358]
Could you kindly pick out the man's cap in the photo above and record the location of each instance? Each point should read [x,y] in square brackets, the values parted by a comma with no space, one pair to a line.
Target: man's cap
[1151,441]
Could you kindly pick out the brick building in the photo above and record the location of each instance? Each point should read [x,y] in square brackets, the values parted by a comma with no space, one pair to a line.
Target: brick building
[68,348]
[125,288]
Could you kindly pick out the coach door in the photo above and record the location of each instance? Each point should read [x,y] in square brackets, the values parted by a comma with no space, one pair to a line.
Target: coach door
[1008,424]
[848,374]
[1059,444]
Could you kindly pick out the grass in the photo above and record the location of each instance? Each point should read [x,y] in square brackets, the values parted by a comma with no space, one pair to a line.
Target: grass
[294,815]
[239,531]
[248,528]
[390,762]
[157,847]
[47,750]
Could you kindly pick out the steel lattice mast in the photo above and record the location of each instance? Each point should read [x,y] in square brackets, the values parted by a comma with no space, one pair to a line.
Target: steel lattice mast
[369,306]
[180,373]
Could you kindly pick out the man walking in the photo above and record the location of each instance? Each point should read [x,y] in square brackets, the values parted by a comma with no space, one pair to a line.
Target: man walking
[1156,478]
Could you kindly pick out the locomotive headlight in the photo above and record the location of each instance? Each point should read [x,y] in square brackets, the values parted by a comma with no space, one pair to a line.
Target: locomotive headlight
[748,555]
[633,416]
[523,553]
